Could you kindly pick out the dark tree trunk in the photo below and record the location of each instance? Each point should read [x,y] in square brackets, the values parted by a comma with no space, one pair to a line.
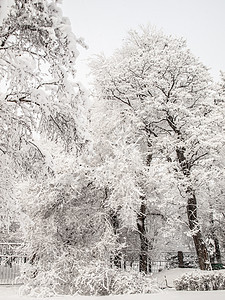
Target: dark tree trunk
[143,266]
[200,246]
[217,249]
[216,254]
[144,263]
[215,239]
[180,256]
[117,259]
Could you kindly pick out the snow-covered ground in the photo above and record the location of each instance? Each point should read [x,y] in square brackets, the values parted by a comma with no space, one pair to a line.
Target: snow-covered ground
[164,278]
[11,293]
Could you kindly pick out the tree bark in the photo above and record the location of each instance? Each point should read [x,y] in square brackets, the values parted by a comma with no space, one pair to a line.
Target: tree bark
[200,246]
[217,249]
[214,237]
[144,263]
[180,256]
[117,259]
[143,266]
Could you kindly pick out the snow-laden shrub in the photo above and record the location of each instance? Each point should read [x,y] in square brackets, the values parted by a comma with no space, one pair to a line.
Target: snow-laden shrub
[92,280]
[201,281]
[102,280]
[69,276]
[40,281]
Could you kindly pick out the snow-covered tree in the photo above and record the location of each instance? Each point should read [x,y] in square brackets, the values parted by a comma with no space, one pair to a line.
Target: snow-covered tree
[38,93]
[40,104]
[155,78]
[61,206]
[9,222]
[64,223]
[120,168]
[215,183]
[37,58]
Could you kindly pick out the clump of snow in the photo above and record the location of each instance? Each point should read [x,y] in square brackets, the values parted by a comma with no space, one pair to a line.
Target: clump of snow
[5,6]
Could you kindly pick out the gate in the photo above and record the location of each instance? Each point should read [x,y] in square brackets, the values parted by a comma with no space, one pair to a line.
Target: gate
[10,262]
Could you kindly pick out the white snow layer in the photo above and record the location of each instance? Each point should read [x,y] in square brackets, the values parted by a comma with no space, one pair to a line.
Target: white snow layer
[11,293]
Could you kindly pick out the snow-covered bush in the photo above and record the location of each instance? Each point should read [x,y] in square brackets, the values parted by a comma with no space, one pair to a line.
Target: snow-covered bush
[201,281]
[90,279]
[102,280]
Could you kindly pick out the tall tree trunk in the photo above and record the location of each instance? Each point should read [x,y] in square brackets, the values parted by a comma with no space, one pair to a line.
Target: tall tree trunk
[214,237]
[200,246]
[217,249]
[143,266]
[117,259]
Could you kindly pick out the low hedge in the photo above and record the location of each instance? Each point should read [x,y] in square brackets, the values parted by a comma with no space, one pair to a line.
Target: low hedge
[201,281]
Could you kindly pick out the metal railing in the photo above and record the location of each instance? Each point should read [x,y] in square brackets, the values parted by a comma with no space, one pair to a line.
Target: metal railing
[10,269]
[153,266]
[11,261]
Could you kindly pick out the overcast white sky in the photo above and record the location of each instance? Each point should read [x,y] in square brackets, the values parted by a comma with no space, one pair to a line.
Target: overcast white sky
[104,23]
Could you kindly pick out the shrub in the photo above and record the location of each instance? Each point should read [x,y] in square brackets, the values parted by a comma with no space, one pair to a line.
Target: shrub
[101,280]
[201,281]
[69,278]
